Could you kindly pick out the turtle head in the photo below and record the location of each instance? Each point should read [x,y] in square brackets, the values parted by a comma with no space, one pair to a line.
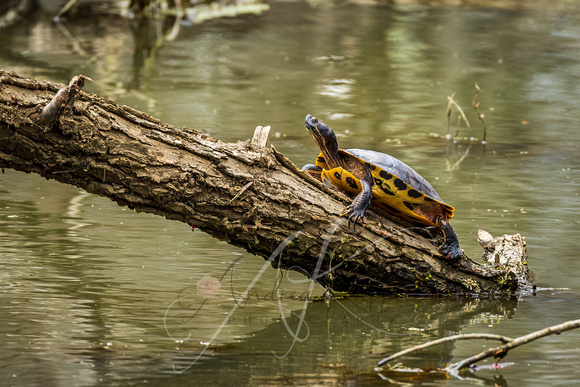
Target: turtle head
[322,135]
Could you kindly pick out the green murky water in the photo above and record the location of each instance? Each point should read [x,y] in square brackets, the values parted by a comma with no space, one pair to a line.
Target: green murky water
[92,292]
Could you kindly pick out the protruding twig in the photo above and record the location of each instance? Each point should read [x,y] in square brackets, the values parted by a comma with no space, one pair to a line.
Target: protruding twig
[480,115]
[64,99]
[450,104]
[260,138]
[485,239]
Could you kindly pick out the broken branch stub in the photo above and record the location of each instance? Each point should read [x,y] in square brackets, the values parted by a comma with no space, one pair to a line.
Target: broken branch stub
[508,253]
[64,99]
[260,138]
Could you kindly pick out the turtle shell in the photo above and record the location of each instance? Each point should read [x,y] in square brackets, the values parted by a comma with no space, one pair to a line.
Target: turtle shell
[398,189]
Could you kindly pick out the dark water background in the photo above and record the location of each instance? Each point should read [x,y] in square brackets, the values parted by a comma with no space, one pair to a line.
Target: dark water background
[94,293]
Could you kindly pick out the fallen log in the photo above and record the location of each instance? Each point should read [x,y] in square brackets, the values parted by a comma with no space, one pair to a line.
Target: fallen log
[246,193]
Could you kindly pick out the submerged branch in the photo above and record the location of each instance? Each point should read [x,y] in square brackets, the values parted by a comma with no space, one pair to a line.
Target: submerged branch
[468,336]
[501,351]
[497,352]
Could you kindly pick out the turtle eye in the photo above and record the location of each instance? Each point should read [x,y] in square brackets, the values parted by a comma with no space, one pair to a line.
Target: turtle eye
[314,120]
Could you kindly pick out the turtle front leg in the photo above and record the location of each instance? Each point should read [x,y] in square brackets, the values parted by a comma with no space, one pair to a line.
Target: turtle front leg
[450,248]
[313,170]
[356,210]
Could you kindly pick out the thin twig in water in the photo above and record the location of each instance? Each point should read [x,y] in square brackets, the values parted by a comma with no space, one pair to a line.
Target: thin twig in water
[486,336]
[450,104]
[480,115]
[66,8]
[501,351]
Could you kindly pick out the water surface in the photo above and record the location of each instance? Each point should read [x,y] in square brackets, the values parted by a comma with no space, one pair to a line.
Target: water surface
[93,292]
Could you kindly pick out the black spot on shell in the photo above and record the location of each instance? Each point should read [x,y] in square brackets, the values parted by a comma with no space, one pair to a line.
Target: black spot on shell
[386,190]
[400,184]
[378,181]
[351,182]
[414,193]
[320,159]
[428,199]
[370,166]
[337,175]
[410,206]
[385,175]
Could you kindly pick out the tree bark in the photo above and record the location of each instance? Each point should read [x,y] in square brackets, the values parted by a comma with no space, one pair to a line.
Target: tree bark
[247,194]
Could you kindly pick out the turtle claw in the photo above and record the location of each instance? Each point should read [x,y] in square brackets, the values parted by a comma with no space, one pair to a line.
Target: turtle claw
[353,216]
[450,248]
[451,251]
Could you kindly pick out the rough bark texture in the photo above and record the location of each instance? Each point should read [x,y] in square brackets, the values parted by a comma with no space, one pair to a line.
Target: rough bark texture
[250,196]
[508,252]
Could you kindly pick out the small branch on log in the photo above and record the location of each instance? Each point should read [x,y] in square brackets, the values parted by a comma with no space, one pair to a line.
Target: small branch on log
[260,139]
[64,99]
[247,193]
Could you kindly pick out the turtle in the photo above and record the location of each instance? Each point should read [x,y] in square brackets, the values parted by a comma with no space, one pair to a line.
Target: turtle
[380,179]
